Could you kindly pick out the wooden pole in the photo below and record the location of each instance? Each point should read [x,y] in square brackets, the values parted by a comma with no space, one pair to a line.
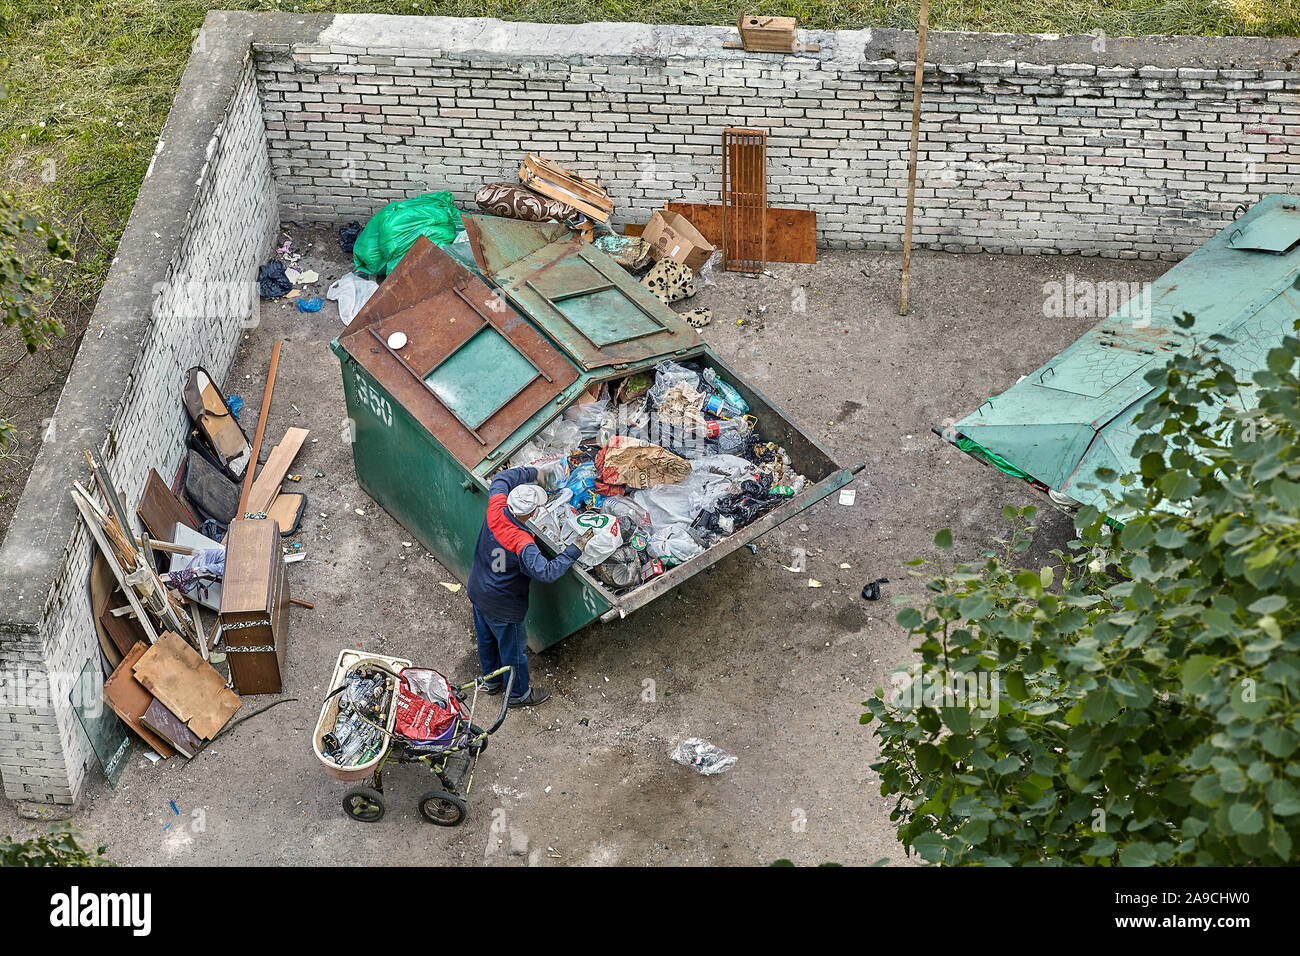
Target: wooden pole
[916,135]
[261,427]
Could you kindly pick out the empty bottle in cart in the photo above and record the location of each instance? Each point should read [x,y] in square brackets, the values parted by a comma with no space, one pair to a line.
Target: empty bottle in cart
[728,394]
[719,406]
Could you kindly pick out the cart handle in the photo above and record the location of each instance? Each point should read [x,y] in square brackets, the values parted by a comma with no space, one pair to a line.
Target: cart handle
[509,671]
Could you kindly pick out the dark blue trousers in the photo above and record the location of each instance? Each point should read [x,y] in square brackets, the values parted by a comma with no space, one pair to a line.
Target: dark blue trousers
[502,643]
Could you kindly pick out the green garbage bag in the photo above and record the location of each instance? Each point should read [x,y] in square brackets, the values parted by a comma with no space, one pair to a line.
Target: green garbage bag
[392,230]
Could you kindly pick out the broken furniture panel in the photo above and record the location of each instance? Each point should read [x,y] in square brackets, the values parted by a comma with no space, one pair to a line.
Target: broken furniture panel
[744,200]
[255,607]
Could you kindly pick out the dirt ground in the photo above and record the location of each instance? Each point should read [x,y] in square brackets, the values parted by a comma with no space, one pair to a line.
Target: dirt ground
[745,654]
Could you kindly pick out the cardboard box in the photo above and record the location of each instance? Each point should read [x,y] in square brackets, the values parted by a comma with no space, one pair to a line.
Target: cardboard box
[671,236]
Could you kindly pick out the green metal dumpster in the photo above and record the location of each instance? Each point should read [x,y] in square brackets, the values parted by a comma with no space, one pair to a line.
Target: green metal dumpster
[1078,411]
[497,344]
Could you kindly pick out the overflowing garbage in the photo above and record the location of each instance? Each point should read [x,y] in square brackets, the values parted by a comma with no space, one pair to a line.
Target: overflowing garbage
[662,464]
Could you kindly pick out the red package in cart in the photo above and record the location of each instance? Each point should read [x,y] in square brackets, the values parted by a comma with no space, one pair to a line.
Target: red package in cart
[426,706]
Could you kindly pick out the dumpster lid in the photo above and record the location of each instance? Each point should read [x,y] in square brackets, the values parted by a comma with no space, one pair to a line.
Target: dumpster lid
[585,301]
[472,369]
[1275,229]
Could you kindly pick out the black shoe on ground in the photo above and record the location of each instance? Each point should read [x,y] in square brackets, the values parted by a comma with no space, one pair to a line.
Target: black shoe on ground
[535,696]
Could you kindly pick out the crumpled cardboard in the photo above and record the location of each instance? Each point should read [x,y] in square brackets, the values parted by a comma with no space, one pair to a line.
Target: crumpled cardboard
[639,464]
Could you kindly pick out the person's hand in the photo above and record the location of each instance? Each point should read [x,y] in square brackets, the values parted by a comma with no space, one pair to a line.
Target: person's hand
[584,539]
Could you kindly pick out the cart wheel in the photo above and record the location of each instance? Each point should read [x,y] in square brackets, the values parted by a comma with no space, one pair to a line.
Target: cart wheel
[365,804]
[442,808]
[481,747]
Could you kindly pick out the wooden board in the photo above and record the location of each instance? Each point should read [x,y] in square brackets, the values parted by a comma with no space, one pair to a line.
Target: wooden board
[187,685]
[130,699]
[744,200]
[171,728]
[791,233]
[268,482]
[161,511]
[286,511]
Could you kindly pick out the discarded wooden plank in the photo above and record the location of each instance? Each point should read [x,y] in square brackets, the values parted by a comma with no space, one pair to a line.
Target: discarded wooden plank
[555,182]
[161,510]
[261,429]
[187,685]
[286,509]
[171,728]
[130,699]
[791,233]
[268,482]
[97,532]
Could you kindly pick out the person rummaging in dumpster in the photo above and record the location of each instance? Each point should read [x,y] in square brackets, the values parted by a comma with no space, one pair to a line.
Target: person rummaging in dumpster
[506,561]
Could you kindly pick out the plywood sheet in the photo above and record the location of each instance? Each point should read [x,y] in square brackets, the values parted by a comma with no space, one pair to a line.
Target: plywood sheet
[130,699]
[791,233]
[187,685]
[171,728]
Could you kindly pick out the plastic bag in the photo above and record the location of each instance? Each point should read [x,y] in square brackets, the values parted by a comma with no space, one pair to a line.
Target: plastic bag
[582,482]
[527,452]
[603,543]
[701,756]
[622,569]
[552,472]
[560,437]
[393,230]
[669,504]
[668,374]
[589,417]
[350,292]
[673,543]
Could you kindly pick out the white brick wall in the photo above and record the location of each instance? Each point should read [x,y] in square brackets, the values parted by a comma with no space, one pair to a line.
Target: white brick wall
[1015,156]
[44,754]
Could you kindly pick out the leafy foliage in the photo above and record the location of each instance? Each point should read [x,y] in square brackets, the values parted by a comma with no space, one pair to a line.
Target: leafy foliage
[1147,703]
[57,847]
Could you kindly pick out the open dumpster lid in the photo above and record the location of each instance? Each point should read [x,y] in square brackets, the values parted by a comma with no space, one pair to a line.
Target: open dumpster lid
[585,301]
[1078,411]
[472,370]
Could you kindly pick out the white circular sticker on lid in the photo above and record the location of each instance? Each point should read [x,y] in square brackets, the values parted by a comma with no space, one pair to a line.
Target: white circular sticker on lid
[397,340]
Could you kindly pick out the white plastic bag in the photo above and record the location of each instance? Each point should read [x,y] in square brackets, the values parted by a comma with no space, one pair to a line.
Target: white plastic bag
[351,292]
[589,417]
[560,437]
[603,543]
[673,542]
[701,756]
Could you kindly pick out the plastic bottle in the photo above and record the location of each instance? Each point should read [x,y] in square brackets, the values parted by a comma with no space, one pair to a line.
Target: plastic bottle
[547,518]
[725,391]
[729,432]
[717,405]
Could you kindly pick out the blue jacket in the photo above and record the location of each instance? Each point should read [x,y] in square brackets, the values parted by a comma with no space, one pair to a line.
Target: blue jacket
[506,557]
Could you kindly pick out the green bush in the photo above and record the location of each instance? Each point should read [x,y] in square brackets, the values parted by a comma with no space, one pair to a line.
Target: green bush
[57,847]
[1146,704]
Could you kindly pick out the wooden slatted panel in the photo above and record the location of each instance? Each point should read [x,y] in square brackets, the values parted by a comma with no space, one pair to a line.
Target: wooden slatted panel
[744,200]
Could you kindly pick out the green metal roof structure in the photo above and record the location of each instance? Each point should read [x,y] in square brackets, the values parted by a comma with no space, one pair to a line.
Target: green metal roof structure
[1076,412]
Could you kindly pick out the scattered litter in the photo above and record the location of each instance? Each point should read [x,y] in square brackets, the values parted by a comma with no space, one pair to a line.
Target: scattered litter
[844,566]
[351,292]
[848,496]
[451,586]
[348,236]
[310,305]
[272,283]
[814,583]
[701,756]
[871,590]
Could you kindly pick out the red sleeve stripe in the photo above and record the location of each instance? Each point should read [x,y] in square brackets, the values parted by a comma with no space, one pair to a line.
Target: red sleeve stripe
[508,534]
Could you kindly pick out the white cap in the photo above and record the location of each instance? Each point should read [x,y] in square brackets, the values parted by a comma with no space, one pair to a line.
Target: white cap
[524,499]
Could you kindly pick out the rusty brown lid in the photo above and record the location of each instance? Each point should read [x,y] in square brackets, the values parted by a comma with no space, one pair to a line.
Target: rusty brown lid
[472,369]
